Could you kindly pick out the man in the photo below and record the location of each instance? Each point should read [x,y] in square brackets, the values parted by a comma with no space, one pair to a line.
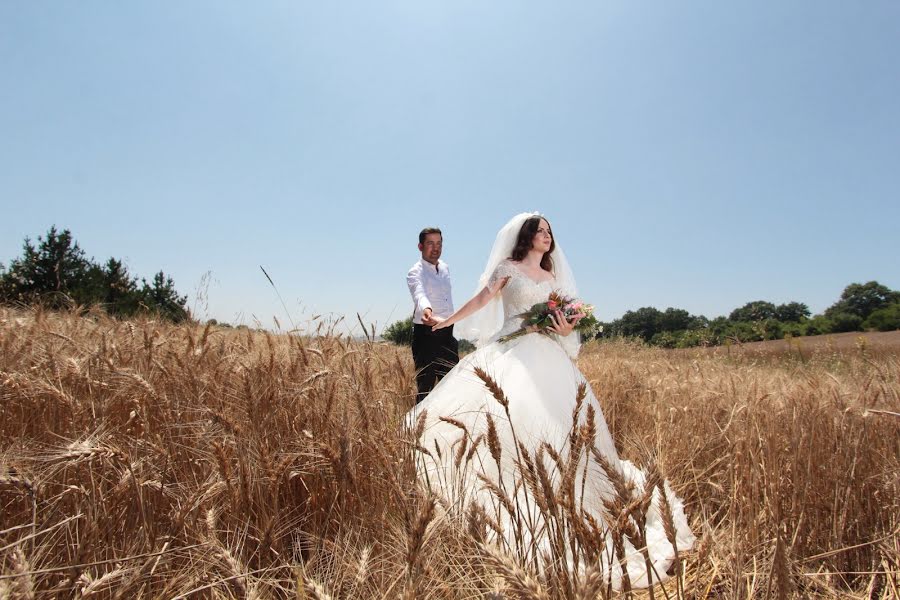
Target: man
[434,353]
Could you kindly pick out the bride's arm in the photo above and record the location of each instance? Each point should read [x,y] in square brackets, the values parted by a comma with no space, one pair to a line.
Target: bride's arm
[471,307]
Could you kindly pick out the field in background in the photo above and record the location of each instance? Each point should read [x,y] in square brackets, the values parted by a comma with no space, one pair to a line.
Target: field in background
[875,341]
[141,459]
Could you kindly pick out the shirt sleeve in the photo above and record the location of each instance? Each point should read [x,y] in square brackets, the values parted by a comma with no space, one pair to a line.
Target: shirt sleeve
[417,288]
[500,274]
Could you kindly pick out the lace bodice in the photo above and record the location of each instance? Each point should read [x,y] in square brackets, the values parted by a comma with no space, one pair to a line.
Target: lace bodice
[519,295]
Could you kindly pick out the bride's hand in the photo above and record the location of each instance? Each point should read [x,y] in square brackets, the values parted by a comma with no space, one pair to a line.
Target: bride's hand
[441,323]
[563,326]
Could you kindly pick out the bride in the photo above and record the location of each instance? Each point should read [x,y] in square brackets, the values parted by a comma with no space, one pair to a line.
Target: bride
[514,435]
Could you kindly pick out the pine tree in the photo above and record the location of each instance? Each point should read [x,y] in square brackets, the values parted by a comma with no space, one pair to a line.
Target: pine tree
[53,273]
[162,298]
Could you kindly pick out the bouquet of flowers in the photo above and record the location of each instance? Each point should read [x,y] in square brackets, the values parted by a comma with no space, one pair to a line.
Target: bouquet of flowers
[540,316]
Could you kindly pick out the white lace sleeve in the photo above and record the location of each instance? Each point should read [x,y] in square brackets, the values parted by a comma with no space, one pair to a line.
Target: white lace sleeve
[502,272]
[571,343]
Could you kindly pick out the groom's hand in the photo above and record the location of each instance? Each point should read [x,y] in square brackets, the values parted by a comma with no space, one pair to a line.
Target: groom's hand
[428,318]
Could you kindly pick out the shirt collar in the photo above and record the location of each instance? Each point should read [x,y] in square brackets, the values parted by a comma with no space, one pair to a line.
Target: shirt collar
[430,267]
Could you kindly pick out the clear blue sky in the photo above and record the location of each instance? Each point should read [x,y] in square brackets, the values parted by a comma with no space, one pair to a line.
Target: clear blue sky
[691,154]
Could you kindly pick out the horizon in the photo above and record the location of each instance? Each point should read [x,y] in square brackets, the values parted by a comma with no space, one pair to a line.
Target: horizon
[201,292]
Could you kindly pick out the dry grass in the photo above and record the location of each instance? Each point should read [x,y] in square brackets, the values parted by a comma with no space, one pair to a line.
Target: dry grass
[140,459]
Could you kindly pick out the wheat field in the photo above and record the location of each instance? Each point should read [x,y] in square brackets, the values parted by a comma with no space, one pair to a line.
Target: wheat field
[145,460]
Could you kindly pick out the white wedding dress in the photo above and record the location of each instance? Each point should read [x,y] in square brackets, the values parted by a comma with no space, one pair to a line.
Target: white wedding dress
[540,381]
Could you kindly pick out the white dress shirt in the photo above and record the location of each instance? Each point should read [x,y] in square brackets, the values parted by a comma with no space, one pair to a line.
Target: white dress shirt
[429,286]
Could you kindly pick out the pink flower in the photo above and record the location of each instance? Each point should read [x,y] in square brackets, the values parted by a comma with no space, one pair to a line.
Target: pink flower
[552,305]
[577,306]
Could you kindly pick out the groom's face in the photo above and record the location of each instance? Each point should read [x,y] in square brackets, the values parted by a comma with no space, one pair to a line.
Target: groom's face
[431,247]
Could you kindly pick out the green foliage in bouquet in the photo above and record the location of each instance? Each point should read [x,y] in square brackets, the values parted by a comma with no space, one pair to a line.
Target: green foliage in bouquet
[539,316]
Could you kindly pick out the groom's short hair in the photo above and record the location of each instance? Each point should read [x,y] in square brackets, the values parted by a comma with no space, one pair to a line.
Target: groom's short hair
[428,230]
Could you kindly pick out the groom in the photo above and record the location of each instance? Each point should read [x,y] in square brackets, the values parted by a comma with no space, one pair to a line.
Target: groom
[434,352]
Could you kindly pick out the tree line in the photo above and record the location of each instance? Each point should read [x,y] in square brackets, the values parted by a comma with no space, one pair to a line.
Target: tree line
[861,306]
[56,273]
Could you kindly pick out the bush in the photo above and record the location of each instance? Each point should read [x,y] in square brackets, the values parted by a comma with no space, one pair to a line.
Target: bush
[664,339]
[884,319]
[842,322]
[743,332]
[696,337]
[400,332]
[771,329]
[793,329]
[818,325]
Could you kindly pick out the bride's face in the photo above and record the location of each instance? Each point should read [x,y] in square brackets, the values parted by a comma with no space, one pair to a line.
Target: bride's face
[543,238]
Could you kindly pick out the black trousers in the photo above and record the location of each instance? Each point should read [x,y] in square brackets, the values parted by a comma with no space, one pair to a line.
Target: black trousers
[435,353]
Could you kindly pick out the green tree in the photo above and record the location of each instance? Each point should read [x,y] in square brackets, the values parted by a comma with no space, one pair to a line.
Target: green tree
[54,272]
[118,289]
[884,319]
[771,329]
[400,332]
[719,328]
[665,339]
[698,322]
[792,312]
[818,325]
[845,321]
[696,337]
[674,319]
[862,299]
[649,324]
[161,297]
[744,331]
[758,310]
[643,323]
[789,328]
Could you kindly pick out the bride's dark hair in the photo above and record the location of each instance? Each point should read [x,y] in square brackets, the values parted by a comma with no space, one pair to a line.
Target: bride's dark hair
[525,241]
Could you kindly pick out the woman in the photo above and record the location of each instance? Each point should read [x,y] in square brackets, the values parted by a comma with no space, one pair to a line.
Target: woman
[491,426]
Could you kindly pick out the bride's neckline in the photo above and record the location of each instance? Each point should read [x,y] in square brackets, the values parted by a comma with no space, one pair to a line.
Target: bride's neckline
[515,266]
